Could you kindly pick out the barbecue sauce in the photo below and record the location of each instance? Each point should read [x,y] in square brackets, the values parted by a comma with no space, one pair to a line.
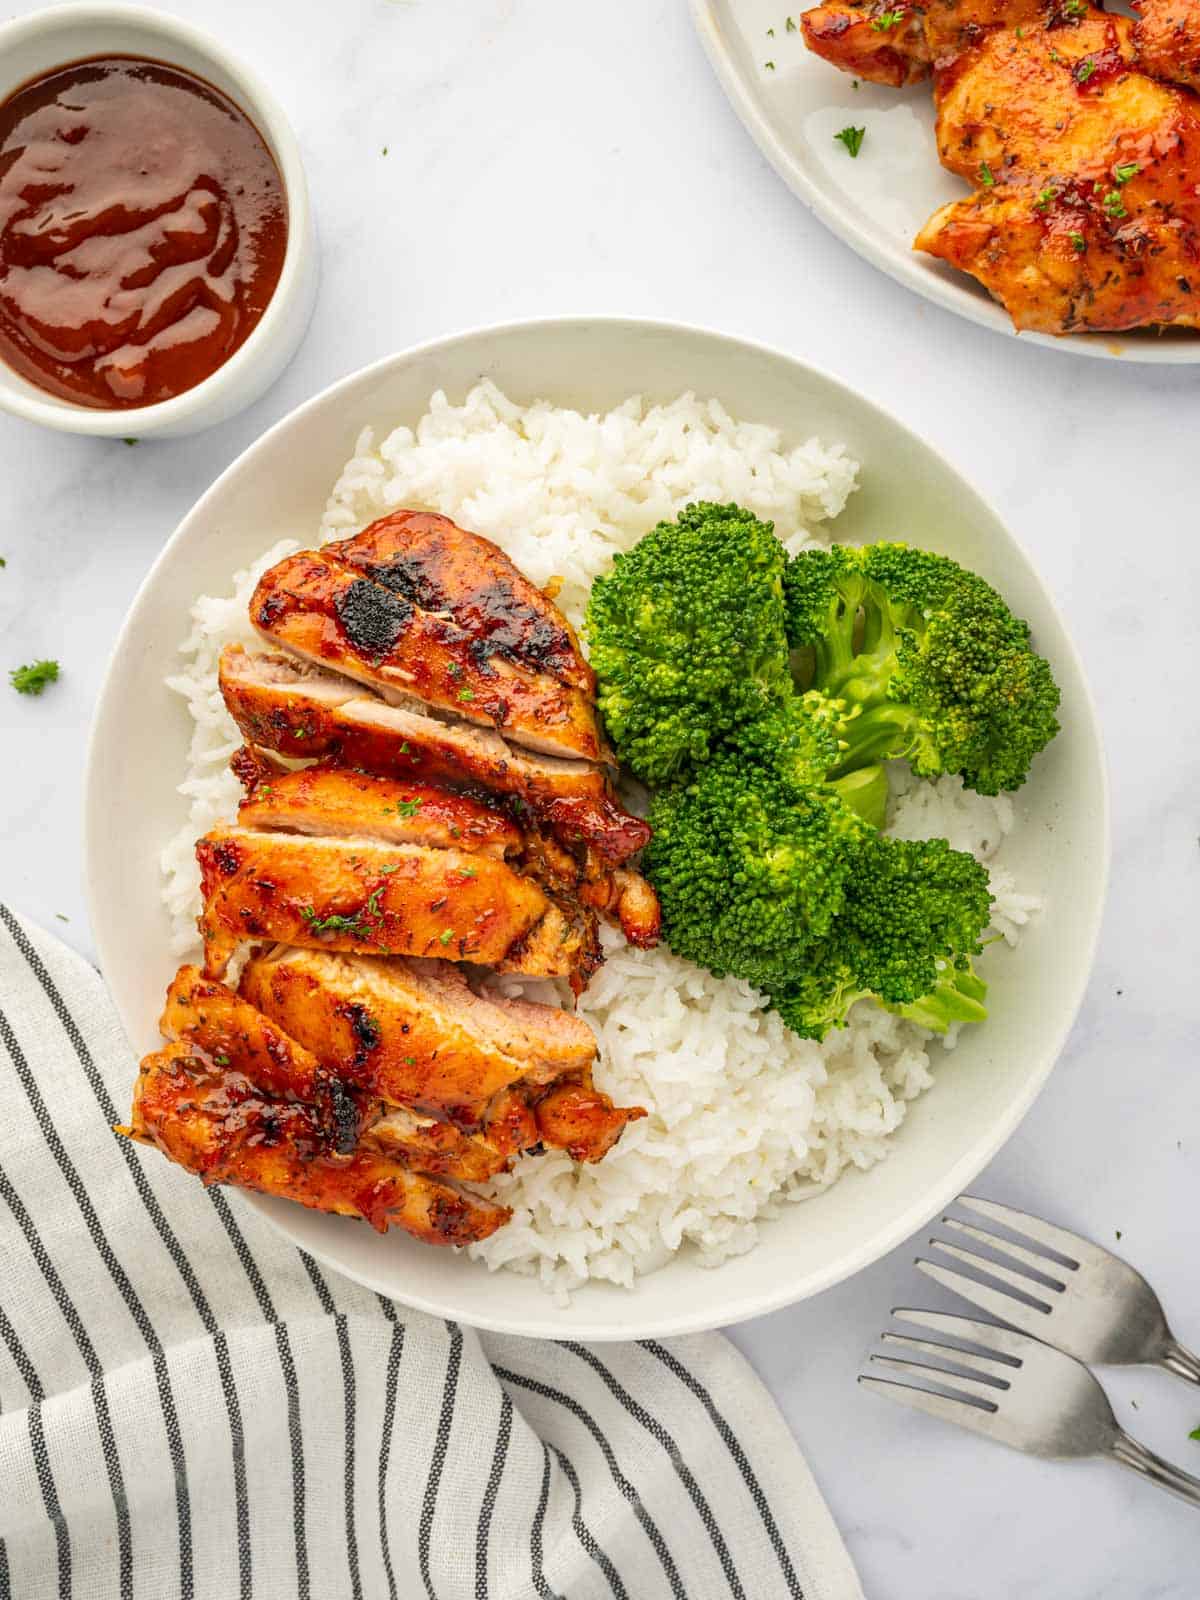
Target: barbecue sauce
[143,228]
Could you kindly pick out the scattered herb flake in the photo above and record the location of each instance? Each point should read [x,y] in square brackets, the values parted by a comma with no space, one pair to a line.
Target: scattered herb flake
[1118,1233]
[1078,241]
[886,20]
[61,918]
[1042,203]
[790,24]
[222,1061]
[129,442]
[1195,1434]
[385,149]
[769,66]
[1020,33]
[1084,69]
[1127,170]
[33,678]
[466,694]
[446,935]
[1075,8]
[409,808]
[1114,205]
[986,176]
[854,83]
[852,138]
[3,562]
[469,872]
[770,33]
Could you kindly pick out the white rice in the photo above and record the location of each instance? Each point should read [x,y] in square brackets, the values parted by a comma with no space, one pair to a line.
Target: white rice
[743,1114]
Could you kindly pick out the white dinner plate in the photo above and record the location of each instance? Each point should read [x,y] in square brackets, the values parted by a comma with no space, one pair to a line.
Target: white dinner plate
[877,201]
[278,489]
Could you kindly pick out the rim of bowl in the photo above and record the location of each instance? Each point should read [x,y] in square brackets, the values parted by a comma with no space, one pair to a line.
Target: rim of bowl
[257,101]
[968,1165]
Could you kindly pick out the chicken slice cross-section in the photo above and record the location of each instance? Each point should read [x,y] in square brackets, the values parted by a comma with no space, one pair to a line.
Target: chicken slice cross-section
[299,710]
[321,605]
[361,894]
[215,1122]
[414,1032]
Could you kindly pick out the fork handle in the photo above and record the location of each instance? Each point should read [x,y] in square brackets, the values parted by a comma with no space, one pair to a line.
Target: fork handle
[1146,1464]
[1181,1362]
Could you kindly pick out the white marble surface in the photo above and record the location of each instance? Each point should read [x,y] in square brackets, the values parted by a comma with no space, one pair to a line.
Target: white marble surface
[551,156]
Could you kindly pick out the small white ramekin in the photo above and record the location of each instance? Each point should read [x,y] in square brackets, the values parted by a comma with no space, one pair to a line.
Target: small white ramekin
[55,37]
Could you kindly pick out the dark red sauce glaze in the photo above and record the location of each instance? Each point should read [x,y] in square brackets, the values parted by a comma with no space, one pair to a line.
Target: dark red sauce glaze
[143,228]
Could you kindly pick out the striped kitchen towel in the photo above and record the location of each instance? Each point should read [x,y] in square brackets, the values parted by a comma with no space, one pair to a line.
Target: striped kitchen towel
[189,1406]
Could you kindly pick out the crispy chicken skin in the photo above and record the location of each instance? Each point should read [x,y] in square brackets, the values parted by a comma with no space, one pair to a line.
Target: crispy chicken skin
[300,711]
[414,1032]
[217,1124]
[1094,221]
[211,1018]
[402,899]
[320,606]
[441,567]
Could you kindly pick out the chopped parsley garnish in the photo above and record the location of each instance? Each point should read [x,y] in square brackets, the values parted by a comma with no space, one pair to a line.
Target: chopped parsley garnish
[34,677]
[404,748]
[1195,1434]
[852,138]
[1075,8]
[770,33]
[466,694]
[406,808]
[790,24]
[769,66]
[129,442]
[3,562]
[986,176]
[1042,203]
[1020,33]
[222,1061]
[469,872]
[61,918]
[385,148]
[1078,241]
[887,20]
[1127,170]
[446,935]
[337,923]
[1114,205]
[1084,69]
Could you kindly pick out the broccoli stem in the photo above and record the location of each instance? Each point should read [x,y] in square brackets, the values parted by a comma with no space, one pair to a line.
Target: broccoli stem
[958,997]
[879,733]
[865,791]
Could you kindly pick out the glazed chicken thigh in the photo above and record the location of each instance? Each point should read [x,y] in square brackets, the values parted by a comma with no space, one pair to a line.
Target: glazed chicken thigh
[1064,119]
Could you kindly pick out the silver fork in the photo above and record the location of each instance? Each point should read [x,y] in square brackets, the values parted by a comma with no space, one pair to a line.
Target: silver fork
[1085,1300]
[1020,1393]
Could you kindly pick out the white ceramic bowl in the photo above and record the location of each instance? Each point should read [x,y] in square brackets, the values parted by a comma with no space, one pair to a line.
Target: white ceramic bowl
[53,38]
[278,488]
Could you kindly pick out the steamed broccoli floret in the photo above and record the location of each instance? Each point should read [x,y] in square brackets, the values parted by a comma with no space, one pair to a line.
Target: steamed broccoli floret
[750,869]
[916,657]
[688,639]
[912,916]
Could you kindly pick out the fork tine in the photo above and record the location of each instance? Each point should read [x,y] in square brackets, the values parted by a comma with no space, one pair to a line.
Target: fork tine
[997,1301]
[1020,1281]
[1076,1249]
[998,1342]
[999,1365]
[1046,1265]
[954,1381]
[964,1413]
